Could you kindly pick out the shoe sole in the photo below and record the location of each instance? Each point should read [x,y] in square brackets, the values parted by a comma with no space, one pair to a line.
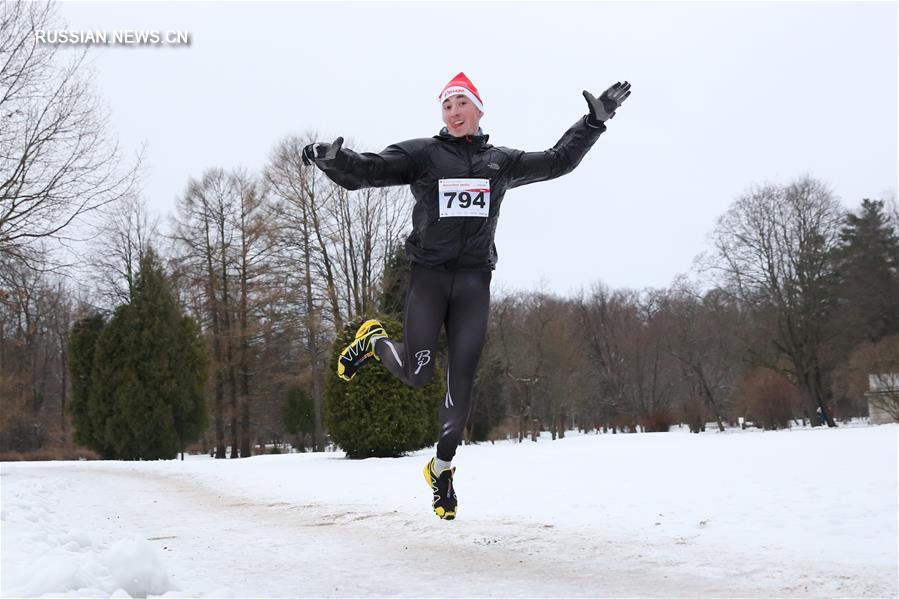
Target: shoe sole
[341,369]
[362,331]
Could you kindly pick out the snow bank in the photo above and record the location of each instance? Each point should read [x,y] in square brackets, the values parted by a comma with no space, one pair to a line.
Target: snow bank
[44,555]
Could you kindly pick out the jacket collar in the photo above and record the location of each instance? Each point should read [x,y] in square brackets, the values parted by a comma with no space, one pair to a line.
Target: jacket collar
[480,138]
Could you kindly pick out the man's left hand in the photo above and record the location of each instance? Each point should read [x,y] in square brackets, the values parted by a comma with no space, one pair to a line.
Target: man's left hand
[603,108]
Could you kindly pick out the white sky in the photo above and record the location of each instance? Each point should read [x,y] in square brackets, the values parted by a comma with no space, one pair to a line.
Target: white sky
[725,95]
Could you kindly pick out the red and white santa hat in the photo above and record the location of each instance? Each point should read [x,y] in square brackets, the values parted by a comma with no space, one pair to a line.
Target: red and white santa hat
[460,84]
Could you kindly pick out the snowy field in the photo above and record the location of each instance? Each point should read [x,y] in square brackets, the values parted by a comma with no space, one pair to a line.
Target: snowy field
[801,513]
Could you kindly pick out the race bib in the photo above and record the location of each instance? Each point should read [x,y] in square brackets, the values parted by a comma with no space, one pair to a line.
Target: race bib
[464,197]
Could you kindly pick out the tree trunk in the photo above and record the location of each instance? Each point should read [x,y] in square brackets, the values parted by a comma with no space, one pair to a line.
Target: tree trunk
[331,285]
[707,391]
[245,445]
[228,337]
[821,396]
[216,344]
[245,448]
[312,331]
[64,373]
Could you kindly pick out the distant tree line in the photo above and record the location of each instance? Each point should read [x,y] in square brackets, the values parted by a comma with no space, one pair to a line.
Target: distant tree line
[801,305]
[219,333]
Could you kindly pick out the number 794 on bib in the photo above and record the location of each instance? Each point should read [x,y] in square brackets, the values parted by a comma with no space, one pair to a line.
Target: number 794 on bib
[464,197]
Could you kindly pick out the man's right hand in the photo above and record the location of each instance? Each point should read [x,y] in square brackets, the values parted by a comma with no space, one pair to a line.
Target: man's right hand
[320,151]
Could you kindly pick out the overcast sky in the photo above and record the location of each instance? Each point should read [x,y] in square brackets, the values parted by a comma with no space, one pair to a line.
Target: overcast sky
[725,95]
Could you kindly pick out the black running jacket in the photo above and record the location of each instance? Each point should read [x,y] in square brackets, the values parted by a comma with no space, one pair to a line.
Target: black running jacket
[454,218]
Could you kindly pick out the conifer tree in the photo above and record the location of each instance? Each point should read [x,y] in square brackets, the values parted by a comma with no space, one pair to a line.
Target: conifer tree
[376,415]
[109,369]
[82,345]
[298,415]
[395,283]
[146,392]
[868,267]
[189,380]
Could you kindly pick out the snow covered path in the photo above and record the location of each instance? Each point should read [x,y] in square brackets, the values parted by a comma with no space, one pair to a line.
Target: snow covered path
[661,515]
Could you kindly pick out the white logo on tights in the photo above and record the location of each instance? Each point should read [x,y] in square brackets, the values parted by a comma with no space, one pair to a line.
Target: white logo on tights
[423,357]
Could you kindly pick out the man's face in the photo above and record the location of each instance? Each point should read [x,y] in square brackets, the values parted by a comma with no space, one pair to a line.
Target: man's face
[461,116]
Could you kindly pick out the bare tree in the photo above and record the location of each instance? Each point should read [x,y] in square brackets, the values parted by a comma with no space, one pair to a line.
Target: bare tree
[301,264]
[333,247]
[225,240]
[254,245]
[367,226]
[519,363]
[306,199]
[773,251]
[125,235]
[709,360]
[200,232]
[600,319]
[35,314]
[57,163]
[652,372]
[625,338]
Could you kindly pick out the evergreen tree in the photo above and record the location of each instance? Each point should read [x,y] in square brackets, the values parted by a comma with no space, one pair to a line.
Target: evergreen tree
[298,416]
[82,346]
[395,283]
[109,368]
[375,415]
[489,408]
[868,267]
[189,382]
[149,370]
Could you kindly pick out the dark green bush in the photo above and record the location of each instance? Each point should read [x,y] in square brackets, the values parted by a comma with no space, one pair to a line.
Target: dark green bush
[376,415]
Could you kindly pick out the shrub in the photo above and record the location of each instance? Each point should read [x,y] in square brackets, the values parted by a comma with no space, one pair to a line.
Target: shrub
[657,421]
[376,415]
[768,398]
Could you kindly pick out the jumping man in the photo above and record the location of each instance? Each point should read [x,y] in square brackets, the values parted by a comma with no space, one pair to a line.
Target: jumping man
[458,181]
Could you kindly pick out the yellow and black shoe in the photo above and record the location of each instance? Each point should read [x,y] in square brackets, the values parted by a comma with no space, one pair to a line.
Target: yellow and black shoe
[444,502]
[360,350]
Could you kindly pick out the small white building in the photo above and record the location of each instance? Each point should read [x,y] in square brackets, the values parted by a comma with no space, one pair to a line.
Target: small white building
[883,398]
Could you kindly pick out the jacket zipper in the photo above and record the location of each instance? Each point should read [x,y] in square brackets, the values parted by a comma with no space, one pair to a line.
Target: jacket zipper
[462,237]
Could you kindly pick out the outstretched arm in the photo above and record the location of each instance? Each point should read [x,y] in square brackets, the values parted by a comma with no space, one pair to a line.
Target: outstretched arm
[393,166]
[562,158]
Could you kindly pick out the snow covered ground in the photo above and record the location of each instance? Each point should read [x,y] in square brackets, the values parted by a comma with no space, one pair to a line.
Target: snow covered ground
[804,513]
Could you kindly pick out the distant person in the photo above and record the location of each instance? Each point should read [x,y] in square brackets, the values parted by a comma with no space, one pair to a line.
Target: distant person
[458,181]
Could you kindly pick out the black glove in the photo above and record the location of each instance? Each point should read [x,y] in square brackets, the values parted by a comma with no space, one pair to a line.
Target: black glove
[604,108]
[325,152]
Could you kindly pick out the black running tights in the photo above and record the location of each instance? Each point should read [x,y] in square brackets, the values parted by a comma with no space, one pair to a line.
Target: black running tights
[459,301]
